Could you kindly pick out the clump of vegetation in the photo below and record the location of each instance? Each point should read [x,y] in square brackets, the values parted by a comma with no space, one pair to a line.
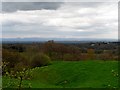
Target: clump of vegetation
[40,59]
[17,65]
[16,61]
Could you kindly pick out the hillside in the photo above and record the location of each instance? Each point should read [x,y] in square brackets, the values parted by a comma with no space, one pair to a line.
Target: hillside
[63,74]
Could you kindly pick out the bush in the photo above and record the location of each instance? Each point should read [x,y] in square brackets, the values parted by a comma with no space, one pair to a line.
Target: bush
[40,60]
[15,61]
[11,57]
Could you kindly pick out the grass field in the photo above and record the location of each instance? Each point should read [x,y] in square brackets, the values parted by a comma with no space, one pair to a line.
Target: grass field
[66,74]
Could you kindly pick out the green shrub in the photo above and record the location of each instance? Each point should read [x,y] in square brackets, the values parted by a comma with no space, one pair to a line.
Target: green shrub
[40,60]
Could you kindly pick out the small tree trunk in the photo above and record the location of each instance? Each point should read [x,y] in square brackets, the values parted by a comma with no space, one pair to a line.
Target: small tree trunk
[20,82]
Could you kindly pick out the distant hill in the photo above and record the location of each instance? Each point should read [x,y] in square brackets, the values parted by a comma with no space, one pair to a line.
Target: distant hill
[55,39]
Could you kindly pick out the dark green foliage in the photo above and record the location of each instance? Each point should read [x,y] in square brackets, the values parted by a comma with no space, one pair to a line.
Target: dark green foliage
[40,59]
[15,47]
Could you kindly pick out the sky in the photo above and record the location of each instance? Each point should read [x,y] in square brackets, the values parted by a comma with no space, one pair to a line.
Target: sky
[59,20]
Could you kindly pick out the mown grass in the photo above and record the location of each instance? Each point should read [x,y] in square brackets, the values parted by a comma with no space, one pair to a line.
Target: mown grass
[69,74]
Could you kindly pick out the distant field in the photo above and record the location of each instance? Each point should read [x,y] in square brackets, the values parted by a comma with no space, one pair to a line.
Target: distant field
[69,74]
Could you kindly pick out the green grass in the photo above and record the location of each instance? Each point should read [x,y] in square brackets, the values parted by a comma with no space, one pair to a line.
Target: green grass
[66,74]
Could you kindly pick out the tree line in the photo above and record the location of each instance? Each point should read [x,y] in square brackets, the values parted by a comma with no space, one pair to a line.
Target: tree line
[19,56]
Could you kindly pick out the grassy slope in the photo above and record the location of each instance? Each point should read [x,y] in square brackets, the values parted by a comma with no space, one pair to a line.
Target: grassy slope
[80,74]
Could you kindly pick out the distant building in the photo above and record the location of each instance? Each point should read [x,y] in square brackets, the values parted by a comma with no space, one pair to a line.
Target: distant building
[92,44]
[51,41]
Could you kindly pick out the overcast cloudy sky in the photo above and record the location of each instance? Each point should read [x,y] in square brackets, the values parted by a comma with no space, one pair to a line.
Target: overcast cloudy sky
[59,20]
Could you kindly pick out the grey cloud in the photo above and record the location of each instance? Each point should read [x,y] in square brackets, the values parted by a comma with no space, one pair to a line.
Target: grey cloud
[86,4]
[0,7]
[24,6]
[28,31]
[10,23]
[41,31]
